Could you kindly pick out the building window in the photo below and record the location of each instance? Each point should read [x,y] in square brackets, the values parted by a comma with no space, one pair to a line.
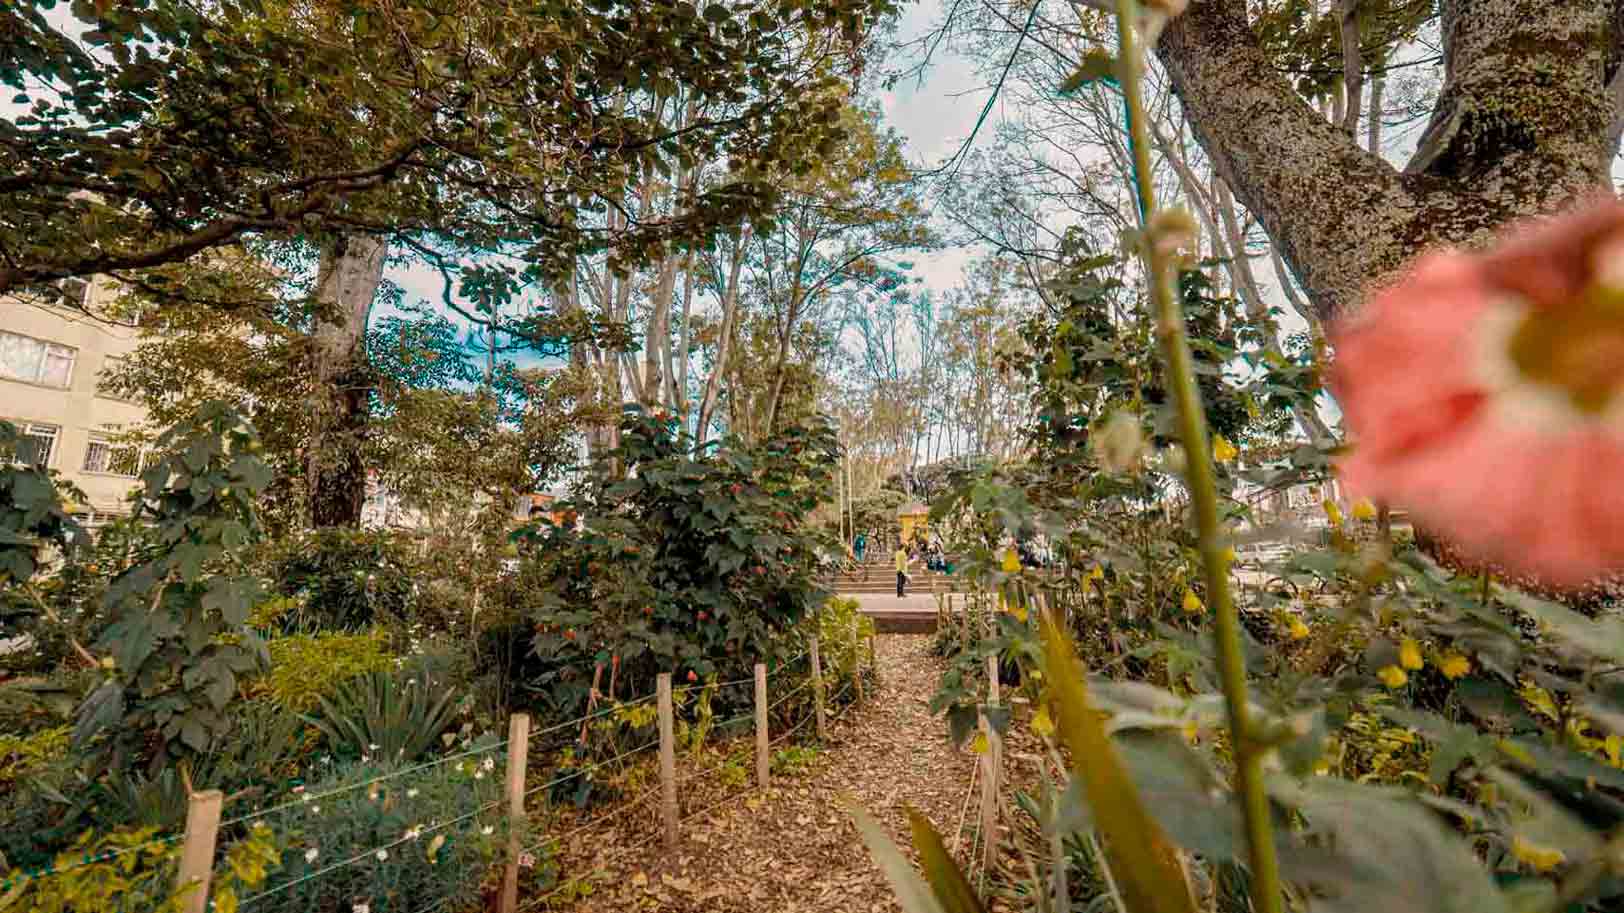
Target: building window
[36,361]
[114,459]
[36,443]
[75,292]
[109,365]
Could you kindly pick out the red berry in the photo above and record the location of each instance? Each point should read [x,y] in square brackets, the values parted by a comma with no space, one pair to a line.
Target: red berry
[703,615]
[569,634]
[692,677]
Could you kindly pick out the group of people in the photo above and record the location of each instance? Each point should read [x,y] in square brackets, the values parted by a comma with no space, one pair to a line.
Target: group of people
[918,548]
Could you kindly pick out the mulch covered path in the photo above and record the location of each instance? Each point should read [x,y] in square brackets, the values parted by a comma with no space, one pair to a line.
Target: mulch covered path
[794,848]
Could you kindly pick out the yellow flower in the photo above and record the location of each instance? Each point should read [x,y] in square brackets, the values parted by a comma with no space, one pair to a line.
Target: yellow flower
[1409,654]
[1012,562]
[1332,512]
[1392,676]
[1297,628]
[1019,611]
[979,743]
[1222,450]
[1363,509]
[1192,731]
[1042,724]
[1096,573]
[434,846]
[1192,602]
[1454,665]
[1228,555]
[1542,858]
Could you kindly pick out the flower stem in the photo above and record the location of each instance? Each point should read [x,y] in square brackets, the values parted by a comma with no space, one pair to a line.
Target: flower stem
[1181,380]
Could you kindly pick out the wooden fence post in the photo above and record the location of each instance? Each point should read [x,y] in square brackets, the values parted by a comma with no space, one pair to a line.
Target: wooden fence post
[668,762]
[197,853]
[761,725]
[991,765]
[817,689]
[518,762]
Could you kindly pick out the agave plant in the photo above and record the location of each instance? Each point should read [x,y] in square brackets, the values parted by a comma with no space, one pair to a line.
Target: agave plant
[382,716]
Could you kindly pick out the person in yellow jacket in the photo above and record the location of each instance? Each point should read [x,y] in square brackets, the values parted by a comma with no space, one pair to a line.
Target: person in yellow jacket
[902,570]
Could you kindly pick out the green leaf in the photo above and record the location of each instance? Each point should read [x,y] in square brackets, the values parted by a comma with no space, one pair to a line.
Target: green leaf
[1372,848]
[949,885]
[912,892]
[1151,877]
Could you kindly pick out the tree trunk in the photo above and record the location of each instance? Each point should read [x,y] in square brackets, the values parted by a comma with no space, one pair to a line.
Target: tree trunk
[1353,68]
[724,341]
[347,280]
[1373,126]
[1520,127]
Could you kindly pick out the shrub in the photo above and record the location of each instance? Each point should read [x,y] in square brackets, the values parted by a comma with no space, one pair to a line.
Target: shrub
[345,579]
[308,667]
[397,716]
[683,562]
[131,871]
[23,755]
[179,637]
[348,817]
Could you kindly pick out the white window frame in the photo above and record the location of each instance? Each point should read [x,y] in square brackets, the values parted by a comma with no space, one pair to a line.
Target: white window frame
[110,456]
[47,350]
[42,430]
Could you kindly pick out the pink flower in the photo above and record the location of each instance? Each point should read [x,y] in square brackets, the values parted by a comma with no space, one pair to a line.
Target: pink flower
[1485,393]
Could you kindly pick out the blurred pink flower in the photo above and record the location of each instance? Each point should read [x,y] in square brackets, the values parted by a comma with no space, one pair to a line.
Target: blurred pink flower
[1485,393]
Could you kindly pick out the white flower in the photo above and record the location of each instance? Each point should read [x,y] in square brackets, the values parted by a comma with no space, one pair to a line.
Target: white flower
[382,855]
[372,748]
[311,854]
[315,809]
[411,793]
[488,830]
[365,759]
[490,764]
[479,775]
[413,833]
[361,908]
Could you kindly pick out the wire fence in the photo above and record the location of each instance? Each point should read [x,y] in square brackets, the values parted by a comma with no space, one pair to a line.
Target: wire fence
[434,829]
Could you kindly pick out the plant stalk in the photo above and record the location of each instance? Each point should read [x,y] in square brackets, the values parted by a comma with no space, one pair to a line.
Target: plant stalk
[1266,897]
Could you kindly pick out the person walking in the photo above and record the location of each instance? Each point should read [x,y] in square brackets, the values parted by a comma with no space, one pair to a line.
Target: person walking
[860,545]
[902,571]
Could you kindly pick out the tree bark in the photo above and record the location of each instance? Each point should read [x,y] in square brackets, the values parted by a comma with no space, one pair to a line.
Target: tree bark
[724,341]
[1373,125]
[1520,127]
[347,280]
[1353,68]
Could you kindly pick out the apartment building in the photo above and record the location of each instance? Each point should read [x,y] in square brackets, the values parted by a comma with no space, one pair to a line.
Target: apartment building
[51,361]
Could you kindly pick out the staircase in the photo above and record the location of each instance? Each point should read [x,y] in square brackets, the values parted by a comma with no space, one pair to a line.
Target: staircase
[879,577]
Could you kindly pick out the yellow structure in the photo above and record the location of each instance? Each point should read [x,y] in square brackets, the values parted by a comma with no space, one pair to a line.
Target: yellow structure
[913,517]
[51,360]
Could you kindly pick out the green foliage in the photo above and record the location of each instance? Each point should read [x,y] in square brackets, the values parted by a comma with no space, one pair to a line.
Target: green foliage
[166,146]
[843,633]
[133,871]
[683,563]
[33,518]
[348,816]
[308,667]
[21,756]
[391,715]
[179,639]
[343,579]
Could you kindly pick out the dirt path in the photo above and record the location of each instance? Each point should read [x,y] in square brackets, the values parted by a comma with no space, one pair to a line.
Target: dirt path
[795,848]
